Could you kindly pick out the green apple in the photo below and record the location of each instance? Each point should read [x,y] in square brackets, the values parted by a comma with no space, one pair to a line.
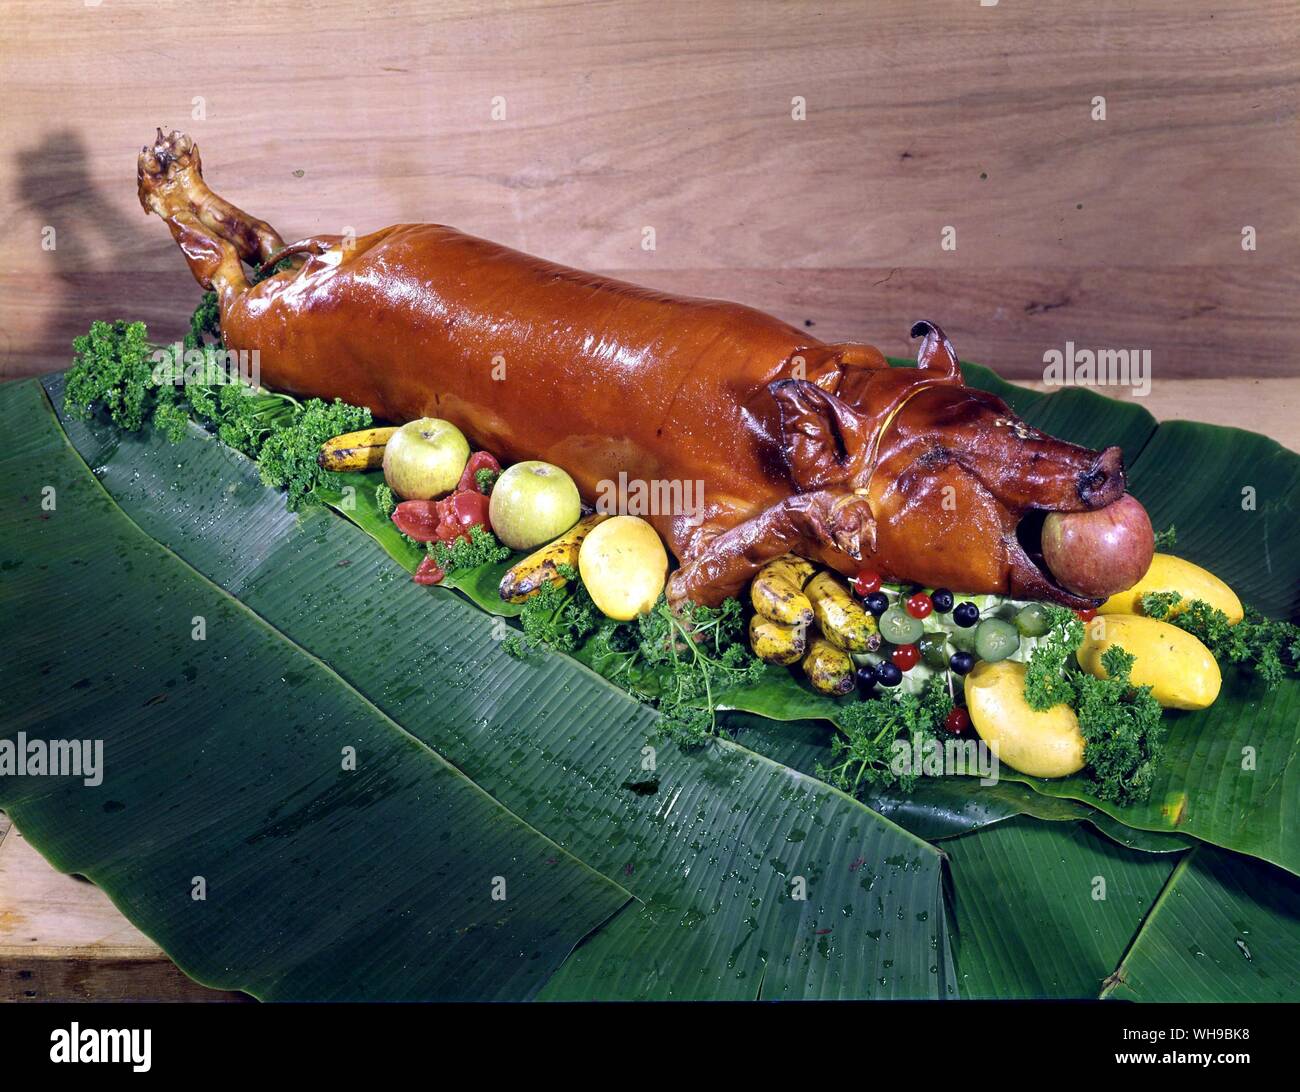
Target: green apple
[425,459]
[532,503]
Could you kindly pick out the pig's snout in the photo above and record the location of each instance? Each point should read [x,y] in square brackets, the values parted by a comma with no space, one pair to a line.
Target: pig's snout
[1104,482]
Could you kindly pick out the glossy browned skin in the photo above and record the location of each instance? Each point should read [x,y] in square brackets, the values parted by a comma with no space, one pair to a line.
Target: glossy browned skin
[800,446]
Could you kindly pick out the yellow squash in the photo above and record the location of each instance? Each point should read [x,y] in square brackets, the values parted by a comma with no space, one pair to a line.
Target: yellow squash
[362,450]
[774,643]
[1041,744]
[839,616]
[1179,669]
[777,594]
[543,566]
[1172,574]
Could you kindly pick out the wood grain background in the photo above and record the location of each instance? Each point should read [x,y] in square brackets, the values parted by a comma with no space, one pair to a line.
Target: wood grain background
[329,114]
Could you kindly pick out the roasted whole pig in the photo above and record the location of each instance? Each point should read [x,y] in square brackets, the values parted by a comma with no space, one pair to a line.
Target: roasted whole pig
[821,449]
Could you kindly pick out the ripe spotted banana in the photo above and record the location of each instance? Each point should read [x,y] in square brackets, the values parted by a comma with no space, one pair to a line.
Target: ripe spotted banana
[777,591]
[543,566]
[840,618]
[362,450]
[777,644]
[828,668]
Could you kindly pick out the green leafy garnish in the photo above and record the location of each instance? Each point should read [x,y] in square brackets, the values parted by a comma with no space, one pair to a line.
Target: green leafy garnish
[679,662]
[1270,648]
[136,383]
[863,753]
[1120,722]
[1166,539]
[288,458]
[558,617]
[384,499]
[692,655]
[479,548]
[485,479]
[1121,729]
[113,368]
[1049,670]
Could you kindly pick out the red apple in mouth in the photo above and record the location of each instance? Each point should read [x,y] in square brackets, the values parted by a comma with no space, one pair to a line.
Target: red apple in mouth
[1102,552]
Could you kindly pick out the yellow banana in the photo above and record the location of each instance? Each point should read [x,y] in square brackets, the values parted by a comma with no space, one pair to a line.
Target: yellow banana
[774,643]
[776,591]
[543,566]
[828,668]
[840,618]
[362,450]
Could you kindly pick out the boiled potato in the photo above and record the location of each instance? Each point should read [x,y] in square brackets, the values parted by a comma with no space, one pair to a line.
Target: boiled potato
[1168,573]
[1179,669]
[624,565]
[1046,744]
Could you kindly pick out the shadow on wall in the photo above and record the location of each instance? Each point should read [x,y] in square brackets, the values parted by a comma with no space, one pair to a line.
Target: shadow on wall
[54,184]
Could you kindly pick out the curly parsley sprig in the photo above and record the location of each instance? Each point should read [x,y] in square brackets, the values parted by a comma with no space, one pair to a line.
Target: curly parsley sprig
[1120,723]
[871,732]
[1268,647]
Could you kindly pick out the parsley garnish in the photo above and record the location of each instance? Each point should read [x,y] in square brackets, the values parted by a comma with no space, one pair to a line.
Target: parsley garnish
[1269,647]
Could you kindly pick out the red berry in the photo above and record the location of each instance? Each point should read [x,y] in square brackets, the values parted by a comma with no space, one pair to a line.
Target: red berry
[919,605]
[957,721]
[1086,615]
[866,582]
[905,657]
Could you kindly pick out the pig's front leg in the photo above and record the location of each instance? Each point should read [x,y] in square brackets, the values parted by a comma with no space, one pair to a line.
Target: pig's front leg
[806,522]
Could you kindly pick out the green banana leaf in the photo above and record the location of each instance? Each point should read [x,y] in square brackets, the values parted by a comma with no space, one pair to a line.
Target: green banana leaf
[1225,928]
[1191,475]
[717,842]
[1187,474]
[938,807]
[1046,909]
[224,762]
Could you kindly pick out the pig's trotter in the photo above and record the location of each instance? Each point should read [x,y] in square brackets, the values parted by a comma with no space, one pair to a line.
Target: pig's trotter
[805,523]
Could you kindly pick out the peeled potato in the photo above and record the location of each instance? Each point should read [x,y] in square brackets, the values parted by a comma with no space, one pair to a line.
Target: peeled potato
[623,565]
[1179,669]
[1168,573]
[1041,744]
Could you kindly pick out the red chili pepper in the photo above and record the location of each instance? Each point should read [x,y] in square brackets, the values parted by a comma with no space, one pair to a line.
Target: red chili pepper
[429,572]
[957,721]
[480,460]
[418,519]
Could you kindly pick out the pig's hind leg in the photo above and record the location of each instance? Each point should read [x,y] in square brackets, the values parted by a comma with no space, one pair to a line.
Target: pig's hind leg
[170,176]
[805,523]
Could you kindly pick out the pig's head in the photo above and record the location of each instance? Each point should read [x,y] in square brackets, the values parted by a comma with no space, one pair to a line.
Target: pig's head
[957,485]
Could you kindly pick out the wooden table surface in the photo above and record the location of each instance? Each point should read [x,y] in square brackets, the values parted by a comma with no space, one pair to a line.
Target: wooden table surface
[61,938]
[806,157]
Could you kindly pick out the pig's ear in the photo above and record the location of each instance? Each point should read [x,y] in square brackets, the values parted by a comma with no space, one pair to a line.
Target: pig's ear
[820,434]
[936,353]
